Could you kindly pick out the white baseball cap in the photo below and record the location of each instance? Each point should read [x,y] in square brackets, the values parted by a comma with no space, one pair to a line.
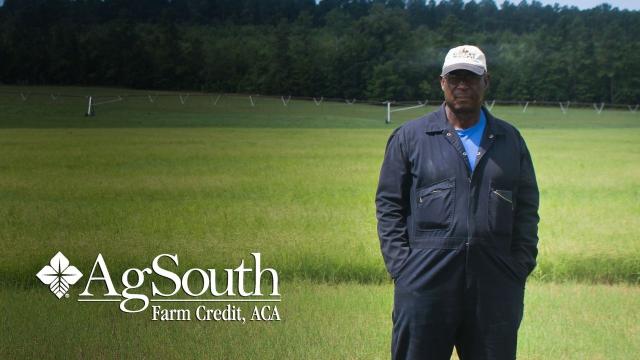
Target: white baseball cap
[465,57]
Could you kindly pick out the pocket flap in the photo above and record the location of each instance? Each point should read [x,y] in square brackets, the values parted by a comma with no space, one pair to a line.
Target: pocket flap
[435,188]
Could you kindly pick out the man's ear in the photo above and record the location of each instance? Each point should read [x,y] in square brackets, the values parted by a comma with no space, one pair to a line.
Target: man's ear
[486,80]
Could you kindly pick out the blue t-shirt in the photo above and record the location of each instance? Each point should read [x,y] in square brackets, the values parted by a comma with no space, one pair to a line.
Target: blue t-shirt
[471,138]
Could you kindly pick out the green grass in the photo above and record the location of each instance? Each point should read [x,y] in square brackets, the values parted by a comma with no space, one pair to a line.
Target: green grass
[303,193]
[320,321]
[306,195]
[39,110]
[296,183]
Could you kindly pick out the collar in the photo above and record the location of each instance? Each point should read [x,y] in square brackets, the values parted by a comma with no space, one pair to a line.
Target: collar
[438,123]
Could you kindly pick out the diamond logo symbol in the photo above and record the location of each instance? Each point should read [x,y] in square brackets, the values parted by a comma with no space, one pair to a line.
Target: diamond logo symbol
[59,275]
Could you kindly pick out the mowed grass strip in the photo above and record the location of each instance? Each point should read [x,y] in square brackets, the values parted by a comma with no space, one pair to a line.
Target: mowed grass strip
[319,321]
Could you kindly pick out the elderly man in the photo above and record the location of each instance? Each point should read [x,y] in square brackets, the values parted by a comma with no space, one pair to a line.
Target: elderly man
[457,209]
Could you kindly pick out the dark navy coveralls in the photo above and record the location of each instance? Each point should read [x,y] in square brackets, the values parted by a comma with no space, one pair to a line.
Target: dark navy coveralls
[458,244]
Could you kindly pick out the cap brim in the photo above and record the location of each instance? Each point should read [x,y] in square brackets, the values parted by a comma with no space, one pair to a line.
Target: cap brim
[479,70]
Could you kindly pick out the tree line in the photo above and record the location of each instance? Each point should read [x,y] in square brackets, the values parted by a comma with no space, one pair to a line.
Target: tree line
[373,49]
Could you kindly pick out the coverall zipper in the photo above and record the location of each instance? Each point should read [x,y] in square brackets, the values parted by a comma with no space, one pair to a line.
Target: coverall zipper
[469,199]
[502,196]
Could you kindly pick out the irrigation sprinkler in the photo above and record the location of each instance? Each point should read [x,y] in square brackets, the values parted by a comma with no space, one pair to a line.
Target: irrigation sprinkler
[389,111]
[598,108]
[90,107]
[489,105]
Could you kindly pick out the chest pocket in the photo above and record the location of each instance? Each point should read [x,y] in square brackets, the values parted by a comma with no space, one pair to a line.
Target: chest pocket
[435,203]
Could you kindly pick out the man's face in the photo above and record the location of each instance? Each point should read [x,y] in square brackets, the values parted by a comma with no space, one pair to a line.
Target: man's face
[464,90]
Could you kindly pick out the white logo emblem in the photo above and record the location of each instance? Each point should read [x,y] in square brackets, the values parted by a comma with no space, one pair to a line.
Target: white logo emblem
[59,275]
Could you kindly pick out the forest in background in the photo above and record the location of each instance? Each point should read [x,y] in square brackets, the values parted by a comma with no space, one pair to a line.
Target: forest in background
[365,49]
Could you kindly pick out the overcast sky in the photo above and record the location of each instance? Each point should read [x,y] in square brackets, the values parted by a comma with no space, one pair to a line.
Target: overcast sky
[588,4]
[582,4]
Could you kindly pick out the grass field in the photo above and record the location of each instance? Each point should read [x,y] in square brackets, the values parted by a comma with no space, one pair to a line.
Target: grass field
[297,183]
[320,321]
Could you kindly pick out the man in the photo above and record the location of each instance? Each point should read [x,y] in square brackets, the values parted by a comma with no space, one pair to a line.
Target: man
[457,209]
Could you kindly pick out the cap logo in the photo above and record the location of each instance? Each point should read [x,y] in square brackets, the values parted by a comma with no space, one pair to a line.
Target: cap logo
[465,54]
[465,57]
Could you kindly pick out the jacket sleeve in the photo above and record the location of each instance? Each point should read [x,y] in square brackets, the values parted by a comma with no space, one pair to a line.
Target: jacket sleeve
[392,204]
[524,245]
